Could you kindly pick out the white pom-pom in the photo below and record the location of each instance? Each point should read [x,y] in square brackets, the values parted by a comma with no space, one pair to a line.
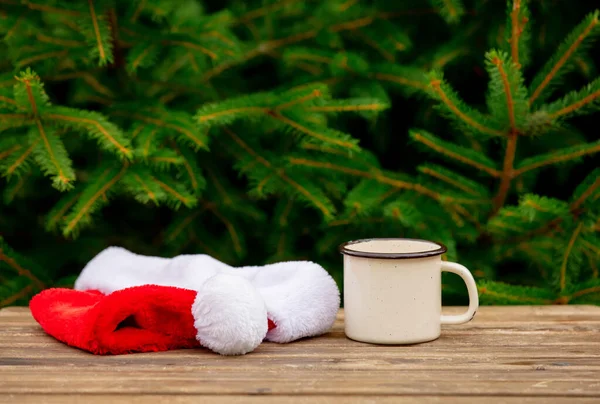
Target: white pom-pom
[229,315]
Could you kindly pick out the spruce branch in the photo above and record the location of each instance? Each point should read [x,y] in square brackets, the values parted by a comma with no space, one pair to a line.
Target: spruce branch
[58,212]
[12,120]
[29,93]
[51,155]
[587,292]
[561,61]
[380,176]
[507,99]
[507,172]
[181,223]
[503,293]
[17,162]
[585,190]
[269,46]
[579,102]
[323,204]
[455,152]
[450,10]
[518,34]
[454,179]
[13,260]
[99,34]
[193,172]
[93,197]
[411,79]
[177,195]
[234,234]
[263,11]
[558,156]
[50,9]
[179,122]
[454,108]
[21,294]
[108,135]
[566,255]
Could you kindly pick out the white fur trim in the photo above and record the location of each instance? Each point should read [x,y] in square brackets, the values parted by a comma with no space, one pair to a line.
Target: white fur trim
[302,299]
[230,315]
[300,296]
[116,268]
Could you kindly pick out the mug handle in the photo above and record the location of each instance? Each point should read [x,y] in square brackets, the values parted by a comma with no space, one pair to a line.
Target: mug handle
[471,288]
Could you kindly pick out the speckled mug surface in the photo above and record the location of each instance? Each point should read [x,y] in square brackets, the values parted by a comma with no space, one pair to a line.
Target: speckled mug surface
[392,290]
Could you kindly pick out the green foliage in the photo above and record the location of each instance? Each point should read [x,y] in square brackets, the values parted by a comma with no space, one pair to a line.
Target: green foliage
[271,130]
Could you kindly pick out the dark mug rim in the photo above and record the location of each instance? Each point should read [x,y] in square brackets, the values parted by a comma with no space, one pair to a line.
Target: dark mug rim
[419,254]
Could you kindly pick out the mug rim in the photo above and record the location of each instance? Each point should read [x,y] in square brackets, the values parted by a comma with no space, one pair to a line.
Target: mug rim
[365,254]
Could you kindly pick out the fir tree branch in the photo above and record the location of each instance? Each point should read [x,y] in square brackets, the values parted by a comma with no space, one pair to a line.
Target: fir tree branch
[188,201]
[59,211]
[30,97]
[316,93]
[566,154]
[101,50]
[463,157]
[8,120]
[507,92]
[50,9]
[59,41]
[42,56]
[576,102]
[138,10]
[450,10]
[585,195]
[453,179]
[151,195]
[59,161]
[313,133]
[8,100]
[204,118]
[79,214]
[576,105]
[563,267]
[400,80]
[271,45]
[382,178]
[566,54]
[518,20]
[26,291]
[583,292]
[194,46]
[9,151]
[507,172]
[92,120]
[350,105]
[18,268]
[192,170]
[233,233]
[194,138]
[299,188]
[437,86]
[263,11]
[21,159]
[183,224]
[486,290]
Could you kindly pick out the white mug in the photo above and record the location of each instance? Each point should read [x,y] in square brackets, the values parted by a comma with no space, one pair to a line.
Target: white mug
[393,290]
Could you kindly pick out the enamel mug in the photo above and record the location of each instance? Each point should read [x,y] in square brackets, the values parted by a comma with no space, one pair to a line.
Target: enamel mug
[393,290]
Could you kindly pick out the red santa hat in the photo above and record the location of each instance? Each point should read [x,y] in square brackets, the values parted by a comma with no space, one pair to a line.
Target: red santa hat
[124,302]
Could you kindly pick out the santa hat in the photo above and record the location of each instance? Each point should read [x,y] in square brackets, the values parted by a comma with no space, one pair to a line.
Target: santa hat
[124,302]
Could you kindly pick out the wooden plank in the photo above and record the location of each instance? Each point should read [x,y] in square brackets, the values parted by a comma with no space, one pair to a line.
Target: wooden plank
[286,399]
[523,352]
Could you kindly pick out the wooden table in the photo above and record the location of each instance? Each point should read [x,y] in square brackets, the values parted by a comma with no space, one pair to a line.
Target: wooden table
[506,354]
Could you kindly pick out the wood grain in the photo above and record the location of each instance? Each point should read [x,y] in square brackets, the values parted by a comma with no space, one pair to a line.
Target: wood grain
[521,354]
